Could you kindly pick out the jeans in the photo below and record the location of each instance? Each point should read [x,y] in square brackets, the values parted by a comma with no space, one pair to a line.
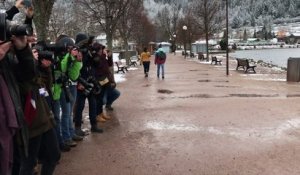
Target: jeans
[73,89]
[111,95]
[146,65]
[63,122]
[162,66]
[80,103]
[99,99]
[43,148]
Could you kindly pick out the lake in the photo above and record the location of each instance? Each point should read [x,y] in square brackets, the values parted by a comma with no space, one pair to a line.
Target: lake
[275,56]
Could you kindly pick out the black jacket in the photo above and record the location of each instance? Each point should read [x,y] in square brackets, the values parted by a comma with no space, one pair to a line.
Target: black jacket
[17,68]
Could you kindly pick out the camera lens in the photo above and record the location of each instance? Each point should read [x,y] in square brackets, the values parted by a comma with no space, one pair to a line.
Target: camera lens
[20,30]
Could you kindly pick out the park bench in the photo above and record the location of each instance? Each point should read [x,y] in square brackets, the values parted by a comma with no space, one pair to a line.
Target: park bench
[200,56]
[133,61]
[244,63]
[121,67]
[216,60]
[192,55]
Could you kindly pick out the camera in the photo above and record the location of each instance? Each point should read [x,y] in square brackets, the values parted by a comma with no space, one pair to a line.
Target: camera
[90,86]
[8,28]
[56,48]
[46,55]
[27,3]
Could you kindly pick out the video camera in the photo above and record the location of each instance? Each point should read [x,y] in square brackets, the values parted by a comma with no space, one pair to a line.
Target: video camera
[48,55]
[8,28]
[56,48]
[90,86]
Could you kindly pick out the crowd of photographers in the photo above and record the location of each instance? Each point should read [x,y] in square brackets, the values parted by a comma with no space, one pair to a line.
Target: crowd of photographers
[43,89]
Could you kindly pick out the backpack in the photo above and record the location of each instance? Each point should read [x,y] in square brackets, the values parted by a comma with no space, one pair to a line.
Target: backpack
[161,55]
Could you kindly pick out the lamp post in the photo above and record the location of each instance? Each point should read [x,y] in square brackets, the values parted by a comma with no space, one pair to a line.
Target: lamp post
[227,49]
[184,28]
[174,44]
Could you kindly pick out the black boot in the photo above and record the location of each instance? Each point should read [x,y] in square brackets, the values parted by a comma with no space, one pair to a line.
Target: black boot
[96,129]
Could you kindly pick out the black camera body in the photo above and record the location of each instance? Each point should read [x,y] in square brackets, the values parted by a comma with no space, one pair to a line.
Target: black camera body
[48,55]
[8,28]
[90,86]
[56,48]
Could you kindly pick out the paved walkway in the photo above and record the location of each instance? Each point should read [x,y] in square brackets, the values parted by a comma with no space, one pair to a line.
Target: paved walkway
[197,121]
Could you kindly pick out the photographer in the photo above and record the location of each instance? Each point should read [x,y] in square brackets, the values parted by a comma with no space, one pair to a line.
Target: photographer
[103,76]
[12,74]
[43,145]
[67,67]
[84,89]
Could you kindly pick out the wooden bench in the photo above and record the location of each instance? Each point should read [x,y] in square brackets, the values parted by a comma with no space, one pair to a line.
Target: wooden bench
[244,63]
[192,55]
[133,61]
[200,56]
[216,60]
[121,67]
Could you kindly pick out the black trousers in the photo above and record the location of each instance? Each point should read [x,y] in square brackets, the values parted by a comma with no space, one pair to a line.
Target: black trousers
[146,65]
[43,148]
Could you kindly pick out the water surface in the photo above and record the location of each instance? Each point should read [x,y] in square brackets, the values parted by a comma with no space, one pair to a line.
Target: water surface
[275,56]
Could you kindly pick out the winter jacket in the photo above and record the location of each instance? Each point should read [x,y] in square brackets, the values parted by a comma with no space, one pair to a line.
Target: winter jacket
[43,119]
[68,68]
[145,56]
[102,68]
[15,71]
[158,56]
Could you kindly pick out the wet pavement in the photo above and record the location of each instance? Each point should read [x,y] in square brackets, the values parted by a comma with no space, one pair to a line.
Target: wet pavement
[197,121]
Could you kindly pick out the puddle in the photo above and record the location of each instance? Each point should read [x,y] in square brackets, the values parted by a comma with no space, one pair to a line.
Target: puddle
[253,95]
[292,95]
[204,81]
[222,86]
[198,96]
[164,91]
[218,81]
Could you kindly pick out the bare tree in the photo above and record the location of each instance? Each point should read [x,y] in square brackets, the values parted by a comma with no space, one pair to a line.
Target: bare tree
[144,32]
[168,17]
[193,32]
[106,13]
[128,22]
[42,10]
[207,17]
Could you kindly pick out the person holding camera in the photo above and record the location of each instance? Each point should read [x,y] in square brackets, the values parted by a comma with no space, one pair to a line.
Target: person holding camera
[66,68]
[13,73]
[104,77]
[112,92]
[87,86]
[43,144]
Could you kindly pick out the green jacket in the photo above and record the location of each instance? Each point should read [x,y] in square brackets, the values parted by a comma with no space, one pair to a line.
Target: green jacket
[68,68]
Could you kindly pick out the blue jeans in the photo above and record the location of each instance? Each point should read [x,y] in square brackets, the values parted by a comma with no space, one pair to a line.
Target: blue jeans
[63,122]
[111,95]
[43,148]
[162,66]
[99,99]
[80,103]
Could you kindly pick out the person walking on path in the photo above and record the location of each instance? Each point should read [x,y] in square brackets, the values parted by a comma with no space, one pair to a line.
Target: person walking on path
[160,59]
[145,60]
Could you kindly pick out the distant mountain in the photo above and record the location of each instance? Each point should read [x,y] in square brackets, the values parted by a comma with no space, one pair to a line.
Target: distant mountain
[255,12]
[263,12]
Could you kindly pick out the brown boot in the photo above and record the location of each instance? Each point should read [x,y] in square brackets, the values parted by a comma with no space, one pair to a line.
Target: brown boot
[106,117]
[100,118]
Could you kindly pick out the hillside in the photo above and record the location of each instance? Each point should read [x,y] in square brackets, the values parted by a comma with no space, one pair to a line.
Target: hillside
[244,13]
[263,12]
